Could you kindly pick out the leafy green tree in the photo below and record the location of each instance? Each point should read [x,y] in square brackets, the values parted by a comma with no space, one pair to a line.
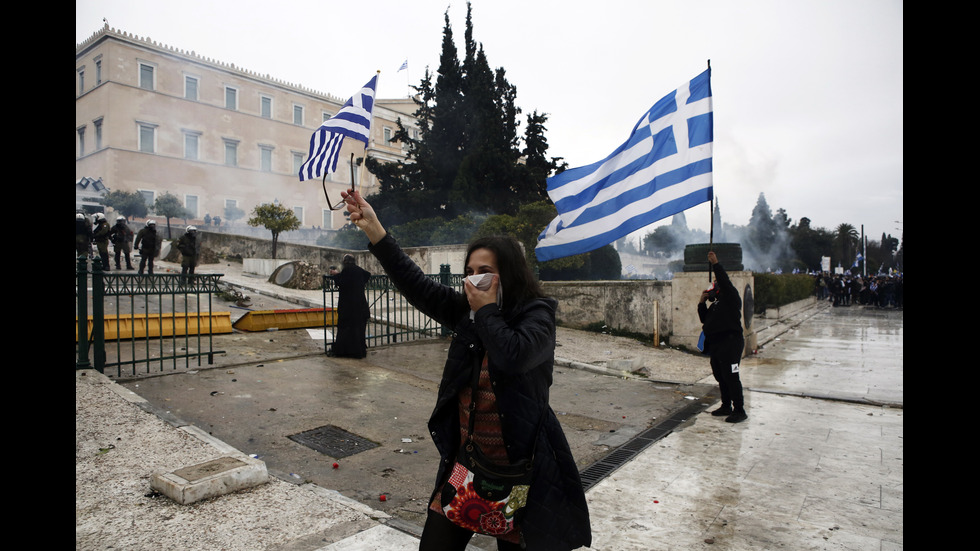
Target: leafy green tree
[526,225]
[606,264]
[810,244]
[276,219]
[846,239]
[169,206]
[663,239]
[130,204]
[457,230]
[347,237]
[417,233]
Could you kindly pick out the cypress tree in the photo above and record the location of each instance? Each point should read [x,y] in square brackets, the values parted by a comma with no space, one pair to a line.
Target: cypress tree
[467,158]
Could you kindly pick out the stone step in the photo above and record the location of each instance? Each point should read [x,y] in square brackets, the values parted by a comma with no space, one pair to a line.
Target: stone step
[210,479]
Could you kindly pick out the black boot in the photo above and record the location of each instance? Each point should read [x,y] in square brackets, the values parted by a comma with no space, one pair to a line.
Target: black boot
[723,410]
[737,416]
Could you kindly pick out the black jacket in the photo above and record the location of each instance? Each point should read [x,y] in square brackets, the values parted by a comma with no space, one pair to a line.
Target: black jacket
[520,344]
[121,235]
[724,317]
[147,242]
[190,249]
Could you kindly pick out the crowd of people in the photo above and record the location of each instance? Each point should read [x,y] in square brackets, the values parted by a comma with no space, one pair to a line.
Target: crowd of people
[880,291]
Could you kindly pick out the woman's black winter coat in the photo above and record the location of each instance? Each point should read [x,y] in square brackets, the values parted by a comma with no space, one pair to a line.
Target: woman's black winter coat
[520,344]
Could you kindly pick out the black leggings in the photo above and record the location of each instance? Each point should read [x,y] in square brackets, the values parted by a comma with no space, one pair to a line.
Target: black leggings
[439,534]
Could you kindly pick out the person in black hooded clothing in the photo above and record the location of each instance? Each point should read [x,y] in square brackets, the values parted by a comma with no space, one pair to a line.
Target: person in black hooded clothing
[352,310]
[723,340]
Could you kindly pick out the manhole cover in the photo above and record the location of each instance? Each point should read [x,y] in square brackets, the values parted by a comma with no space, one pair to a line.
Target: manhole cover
[333,441]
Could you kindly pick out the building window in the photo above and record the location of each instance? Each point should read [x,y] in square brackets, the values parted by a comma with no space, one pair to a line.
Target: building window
[147,137]
[326,116]
[98,133]
[265,152]
[98,72]
[190,88]
[81,81]
[265,107]
[192,144]
[298,211]
[231,153]
[297,162]
[81,141]
[387,136]
[298,115]
[190,203]
[148,197]
[231,209]
[231,98]
[146,77]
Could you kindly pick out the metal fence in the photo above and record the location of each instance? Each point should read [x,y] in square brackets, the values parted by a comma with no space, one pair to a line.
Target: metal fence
[392,318]
[140,322]
[131,324]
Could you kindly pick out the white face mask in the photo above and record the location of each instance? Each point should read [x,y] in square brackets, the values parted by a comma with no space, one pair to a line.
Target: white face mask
[482,282]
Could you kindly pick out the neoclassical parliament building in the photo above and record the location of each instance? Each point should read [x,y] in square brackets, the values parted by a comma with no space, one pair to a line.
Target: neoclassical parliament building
[156,119]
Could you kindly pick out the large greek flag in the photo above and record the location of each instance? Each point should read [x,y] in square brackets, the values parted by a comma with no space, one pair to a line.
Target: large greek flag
[352,121]
[662,169]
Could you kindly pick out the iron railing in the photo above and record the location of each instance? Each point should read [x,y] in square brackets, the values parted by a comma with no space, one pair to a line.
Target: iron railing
[392,318]
[155,321]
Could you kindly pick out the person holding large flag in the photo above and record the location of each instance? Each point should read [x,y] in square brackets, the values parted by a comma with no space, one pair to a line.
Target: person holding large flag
[663,168]
[494,395]
[723,341]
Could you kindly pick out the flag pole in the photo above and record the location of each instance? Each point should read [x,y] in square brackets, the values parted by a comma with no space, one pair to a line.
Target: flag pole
[360,173]
[711,205]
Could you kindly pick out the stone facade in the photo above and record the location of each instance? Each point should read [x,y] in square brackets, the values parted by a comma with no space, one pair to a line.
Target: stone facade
[156,119]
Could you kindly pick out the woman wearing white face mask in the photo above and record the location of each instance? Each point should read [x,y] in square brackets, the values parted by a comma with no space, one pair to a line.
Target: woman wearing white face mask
[493,397]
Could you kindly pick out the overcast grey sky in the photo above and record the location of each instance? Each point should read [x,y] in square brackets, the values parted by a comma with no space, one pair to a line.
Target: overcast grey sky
[808,94]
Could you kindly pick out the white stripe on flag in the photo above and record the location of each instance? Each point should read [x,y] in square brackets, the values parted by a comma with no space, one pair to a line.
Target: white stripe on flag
[663,168]
[352,121]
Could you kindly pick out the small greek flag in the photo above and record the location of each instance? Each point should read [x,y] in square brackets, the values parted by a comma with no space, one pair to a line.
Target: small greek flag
[403,67]
[352,121]
[662,169]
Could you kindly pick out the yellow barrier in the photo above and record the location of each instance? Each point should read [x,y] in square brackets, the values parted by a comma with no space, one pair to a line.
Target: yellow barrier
[263,320]
[162,325]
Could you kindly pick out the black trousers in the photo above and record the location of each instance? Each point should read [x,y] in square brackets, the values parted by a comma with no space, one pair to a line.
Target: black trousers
[726,356]
[146,261]
[439,534]
[121,251]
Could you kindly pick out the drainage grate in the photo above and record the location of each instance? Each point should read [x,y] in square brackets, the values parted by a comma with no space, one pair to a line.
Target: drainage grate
[595,472]
[333,441]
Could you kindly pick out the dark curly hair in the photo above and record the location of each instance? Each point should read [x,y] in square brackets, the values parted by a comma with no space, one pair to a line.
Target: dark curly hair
[516,278]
